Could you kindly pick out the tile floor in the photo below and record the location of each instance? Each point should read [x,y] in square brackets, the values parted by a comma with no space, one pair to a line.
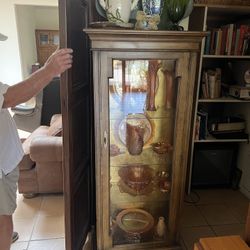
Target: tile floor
[213,212]
[40,223]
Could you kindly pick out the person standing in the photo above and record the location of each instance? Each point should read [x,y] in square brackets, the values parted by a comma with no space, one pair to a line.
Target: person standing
[11,151]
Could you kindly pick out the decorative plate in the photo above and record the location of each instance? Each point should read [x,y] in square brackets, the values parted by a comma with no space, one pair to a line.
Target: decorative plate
[135,220]
[124,188]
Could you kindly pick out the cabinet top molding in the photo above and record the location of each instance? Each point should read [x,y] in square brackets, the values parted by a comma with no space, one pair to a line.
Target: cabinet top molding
[144,39]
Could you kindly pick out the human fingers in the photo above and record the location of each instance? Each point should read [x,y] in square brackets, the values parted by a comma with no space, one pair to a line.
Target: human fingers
[63,51]
[63,62]
[60,56]
[58,53]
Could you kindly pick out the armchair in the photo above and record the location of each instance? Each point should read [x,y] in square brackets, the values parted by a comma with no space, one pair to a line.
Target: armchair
[41,167]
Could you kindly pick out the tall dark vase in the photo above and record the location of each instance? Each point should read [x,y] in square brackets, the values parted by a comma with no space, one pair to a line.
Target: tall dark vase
[173,12]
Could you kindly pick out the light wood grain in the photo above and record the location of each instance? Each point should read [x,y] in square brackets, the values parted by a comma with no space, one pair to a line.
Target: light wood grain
[224,243]
[183,49]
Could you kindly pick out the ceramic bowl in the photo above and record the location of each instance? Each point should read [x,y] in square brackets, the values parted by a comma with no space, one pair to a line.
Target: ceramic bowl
[161,147]
[137,177]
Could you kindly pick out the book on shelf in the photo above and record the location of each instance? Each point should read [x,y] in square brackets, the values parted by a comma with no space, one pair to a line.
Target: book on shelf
[197,127]
[203,121]
[218,42]
[211,83]
[229,39]
[207,43]
[223,40]
[243,30]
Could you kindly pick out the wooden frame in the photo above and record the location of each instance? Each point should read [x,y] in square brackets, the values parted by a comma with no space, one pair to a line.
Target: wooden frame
[181,47]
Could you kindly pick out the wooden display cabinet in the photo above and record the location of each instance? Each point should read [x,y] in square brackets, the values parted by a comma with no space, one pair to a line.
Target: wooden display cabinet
[143,97]
[47,42]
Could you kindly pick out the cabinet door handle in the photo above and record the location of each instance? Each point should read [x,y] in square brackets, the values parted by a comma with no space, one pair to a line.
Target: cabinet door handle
[105,139]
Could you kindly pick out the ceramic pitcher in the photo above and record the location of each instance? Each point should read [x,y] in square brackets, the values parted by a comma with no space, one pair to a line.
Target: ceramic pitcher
[134,136]
[118,11]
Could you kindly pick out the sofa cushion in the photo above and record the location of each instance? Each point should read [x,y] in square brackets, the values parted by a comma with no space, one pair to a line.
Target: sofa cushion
[55,128]
[46,149]
[26,163]
[27,182]
[40,131]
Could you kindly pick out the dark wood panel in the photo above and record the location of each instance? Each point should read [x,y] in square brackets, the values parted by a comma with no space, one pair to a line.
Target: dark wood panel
[76,102]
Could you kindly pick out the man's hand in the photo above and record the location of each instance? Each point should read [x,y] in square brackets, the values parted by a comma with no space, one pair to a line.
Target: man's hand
[21,92]
[59,61]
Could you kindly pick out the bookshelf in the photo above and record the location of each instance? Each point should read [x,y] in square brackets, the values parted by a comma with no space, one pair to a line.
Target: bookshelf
[210,18]
[226,56]
[227,99]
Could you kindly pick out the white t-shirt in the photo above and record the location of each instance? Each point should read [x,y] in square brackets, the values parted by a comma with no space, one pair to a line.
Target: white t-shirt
[11,151]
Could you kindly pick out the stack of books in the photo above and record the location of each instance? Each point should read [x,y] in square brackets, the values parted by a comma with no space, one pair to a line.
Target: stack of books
[230,39]
[211,84]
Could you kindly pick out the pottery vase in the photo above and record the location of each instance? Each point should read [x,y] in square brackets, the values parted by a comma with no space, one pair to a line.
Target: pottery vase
[134,137]
[173,12]
[150,17]
[118,11]
[153,67]
[176,10]
[152,7]
[161,228]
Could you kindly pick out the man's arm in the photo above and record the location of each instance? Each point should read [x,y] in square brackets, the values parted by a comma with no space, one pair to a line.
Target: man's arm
[58,62]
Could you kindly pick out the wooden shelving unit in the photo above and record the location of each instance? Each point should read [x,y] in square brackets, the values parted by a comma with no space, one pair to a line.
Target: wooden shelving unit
[223,100]
[203,18]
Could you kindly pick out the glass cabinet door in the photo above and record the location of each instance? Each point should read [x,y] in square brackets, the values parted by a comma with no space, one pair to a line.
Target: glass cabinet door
[44,38]
[55,38]
[142,104]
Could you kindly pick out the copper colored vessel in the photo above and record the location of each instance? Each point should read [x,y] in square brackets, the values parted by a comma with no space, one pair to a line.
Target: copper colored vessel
[134,136]
[137,177]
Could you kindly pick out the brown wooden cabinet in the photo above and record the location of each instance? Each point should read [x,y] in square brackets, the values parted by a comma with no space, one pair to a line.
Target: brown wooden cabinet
[47,42]
[143,98]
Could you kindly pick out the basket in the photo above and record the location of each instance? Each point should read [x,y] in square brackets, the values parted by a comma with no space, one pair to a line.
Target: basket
[224,2]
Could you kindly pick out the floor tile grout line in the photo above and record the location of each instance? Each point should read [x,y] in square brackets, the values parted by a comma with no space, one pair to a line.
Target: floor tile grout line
[35,222]
[228,210]
[202,215]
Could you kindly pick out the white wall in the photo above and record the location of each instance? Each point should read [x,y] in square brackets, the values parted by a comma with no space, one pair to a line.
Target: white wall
[10,63]
[25,16]
[51,21]
[28,19]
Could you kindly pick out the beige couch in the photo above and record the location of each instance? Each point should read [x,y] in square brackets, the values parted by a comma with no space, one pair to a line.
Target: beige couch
[41,167]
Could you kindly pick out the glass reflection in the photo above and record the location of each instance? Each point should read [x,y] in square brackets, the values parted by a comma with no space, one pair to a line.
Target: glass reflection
[142,113]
